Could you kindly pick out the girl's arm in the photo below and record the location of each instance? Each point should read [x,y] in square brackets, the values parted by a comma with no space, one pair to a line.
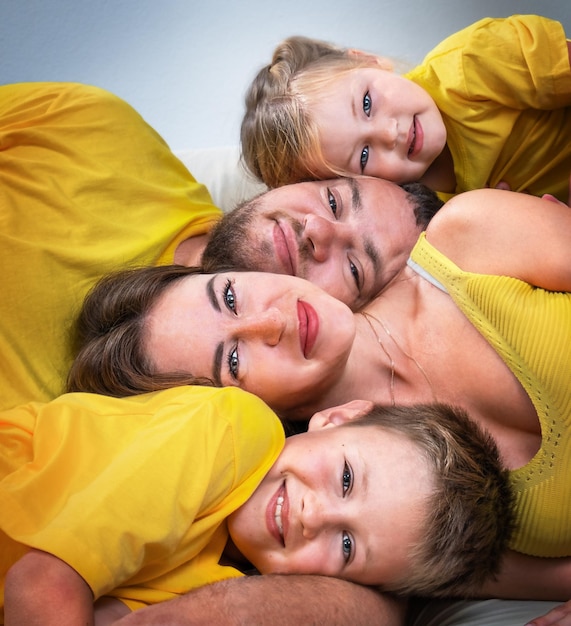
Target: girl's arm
[42,590]
[492,231]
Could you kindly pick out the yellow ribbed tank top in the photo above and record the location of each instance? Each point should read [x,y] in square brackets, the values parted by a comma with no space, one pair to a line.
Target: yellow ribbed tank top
[530,328]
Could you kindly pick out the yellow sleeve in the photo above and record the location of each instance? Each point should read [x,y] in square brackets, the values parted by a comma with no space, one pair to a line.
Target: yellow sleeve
[87,187]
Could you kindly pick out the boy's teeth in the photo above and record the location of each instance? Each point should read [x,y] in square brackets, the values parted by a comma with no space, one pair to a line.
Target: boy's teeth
[278,514]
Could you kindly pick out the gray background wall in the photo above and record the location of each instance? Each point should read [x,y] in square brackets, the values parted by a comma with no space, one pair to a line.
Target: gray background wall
[185,64]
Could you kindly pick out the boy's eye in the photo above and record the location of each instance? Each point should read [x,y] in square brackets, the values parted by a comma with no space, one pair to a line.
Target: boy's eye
[347,479]
[347,546]
[332,202]
[229,297]
[364,158]
[367,104]
[233,363]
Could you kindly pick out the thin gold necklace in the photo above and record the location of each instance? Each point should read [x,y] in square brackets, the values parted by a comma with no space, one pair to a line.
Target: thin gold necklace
[389,357]
[379,321]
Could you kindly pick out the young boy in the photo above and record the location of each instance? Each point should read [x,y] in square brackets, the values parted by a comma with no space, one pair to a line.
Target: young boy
[144,498]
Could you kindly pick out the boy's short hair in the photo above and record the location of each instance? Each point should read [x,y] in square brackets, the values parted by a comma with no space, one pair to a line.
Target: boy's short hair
[470,515]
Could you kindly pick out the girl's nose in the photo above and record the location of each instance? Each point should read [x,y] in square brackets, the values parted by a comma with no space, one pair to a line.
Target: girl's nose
[388,132]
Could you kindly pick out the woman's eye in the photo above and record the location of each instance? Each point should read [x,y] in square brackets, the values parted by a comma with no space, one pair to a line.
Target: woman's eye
[332,202]
[233,363]
[229,297]
[364,158]
[367,104]
[355,273]
[347,546]
[347,479]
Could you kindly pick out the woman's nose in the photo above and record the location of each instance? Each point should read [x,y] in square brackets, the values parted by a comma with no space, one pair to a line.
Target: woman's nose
[321,235]
[268,326]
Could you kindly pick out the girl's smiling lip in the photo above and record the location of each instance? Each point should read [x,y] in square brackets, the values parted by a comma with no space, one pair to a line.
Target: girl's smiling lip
[285,247]
[415,137]
[277,513]
[308,327]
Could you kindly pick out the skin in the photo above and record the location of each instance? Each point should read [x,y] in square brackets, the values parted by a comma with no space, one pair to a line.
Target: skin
[374,122]
[274,600]
[350,236]
[330,482]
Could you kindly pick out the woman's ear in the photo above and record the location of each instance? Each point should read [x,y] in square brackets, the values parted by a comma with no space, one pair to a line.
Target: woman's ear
[337,415]
[374,60]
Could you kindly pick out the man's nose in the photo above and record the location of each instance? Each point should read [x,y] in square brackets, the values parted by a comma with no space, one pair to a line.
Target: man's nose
[267,325]
[322,235]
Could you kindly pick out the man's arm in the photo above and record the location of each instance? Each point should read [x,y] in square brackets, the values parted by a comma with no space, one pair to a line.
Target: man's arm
[277,601]
[42,590]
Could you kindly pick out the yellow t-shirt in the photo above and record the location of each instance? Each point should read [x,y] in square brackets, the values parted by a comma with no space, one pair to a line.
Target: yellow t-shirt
[133,492]
[530,328]
[86,188]
[503,87]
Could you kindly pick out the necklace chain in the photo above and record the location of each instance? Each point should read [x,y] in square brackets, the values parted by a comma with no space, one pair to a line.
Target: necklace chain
[368,317]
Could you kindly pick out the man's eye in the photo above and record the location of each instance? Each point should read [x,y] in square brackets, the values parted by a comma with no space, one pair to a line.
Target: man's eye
[347,479]
[332,202]
[229,297]
[364,158]
[347,546]
[355,273]
[367,104]
[233,363]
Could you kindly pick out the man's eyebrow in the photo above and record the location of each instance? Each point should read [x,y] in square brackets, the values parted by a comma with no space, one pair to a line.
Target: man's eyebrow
[217,362]
[356,203]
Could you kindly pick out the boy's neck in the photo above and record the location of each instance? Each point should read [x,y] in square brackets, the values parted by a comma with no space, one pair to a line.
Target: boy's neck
[440,175]
[232,557]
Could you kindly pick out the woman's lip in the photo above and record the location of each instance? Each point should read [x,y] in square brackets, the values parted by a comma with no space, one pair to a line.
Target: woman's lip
[283,246]
[416,135]
[308,327]
[277,511]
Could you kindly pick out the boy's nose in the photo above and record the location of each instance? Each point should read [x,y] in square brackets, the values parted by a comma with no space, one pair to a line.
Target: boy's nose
[268,326]
[317,515]
[322,235]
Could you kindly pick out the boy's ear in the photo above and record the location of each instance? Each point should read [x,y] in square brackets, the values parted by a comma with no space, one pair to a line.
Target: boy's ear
[374,60]
[337,415]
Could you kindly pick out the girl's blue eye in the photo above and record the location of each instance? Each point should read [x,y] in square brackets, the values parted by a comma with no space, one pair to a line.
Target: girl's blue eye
[229,297]
[332,203]
[347,479]
[364,158]
[367,104]
[347,547]
[233,363]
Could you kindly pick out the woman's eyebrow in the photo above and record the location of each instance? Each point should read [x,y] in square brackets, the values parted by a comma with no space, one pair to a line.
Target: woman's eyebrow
[212,294]
[217,362]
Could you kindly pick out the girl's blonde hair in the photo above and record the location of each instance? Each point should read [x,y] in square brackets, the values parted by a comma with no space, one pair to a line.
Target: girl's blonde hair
[279,139]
